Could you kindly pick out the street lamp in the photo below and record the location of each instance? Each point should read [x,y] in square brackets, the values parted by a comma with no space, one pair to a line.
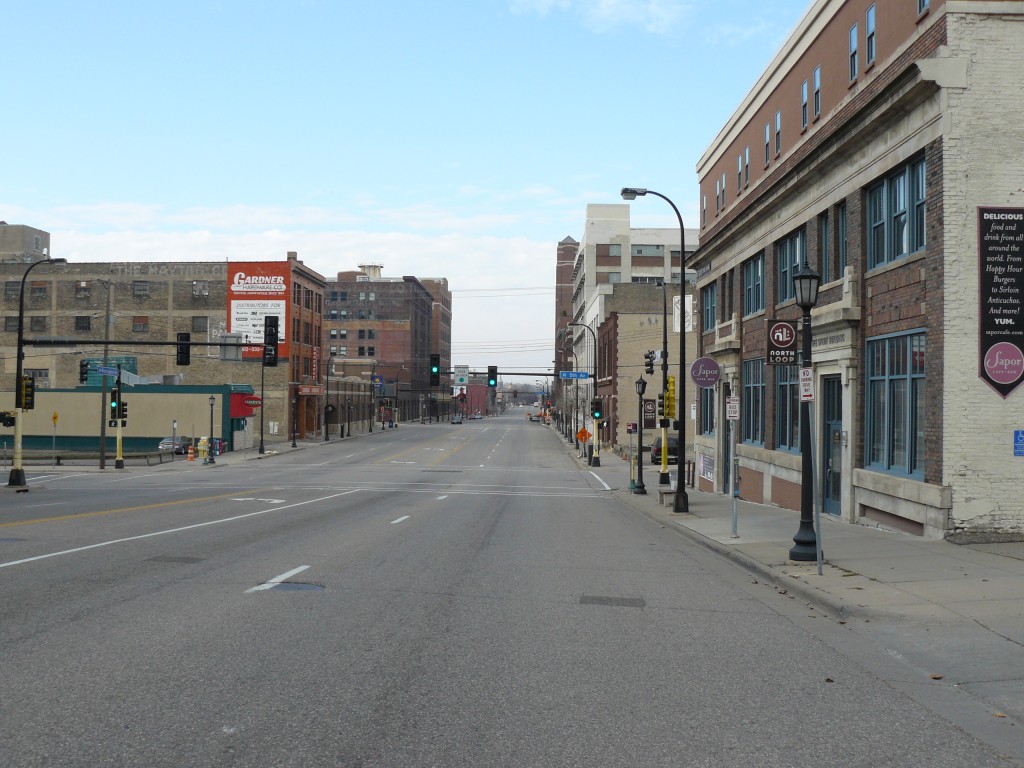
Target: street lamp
[805,542]
[17,476]
[209,449]
[327,400]
[681,502]
[596,459]
[641,387]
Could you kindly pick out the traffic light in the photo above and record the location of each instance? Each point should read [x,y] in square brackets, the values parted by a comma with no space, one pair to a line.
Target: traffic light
[670,398]
[435,370]
[122,409]
[661,404]
[270,341]
[184,349]
[28,393]
[115,404]
[492,376]
[83,371]
[595,408]
[649,362]
[7,418]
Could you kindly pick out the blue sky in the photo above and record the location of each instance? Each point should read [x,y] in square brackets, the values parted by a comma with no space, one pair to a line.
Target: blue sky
[459,139]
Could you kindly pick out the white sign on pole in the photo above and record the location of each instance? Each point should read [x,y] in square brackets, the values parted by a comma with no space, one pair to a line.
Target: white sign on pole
[461,374]
[806,385]
[732,408]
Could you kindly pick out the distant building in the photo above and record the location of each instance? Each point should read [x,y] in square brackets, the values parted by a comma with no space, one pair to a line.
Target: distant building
[881,147]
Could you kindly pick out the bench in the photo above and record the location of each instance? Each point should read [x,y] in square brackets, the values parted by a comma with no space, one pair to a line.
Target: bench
[666,495]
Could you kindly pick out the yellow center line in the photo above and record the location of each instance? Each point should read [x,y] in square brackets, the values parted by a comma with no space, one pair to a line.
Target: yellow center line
[101,512]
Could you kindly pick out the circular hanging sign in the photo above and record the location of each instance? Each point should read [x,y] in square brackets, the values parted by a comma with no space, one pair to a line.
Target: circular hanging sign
[705,372]
[253,401]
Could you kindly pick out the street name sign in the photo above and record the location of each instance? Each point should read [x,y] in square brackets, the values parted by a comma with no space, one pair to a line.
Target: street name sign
[574,374]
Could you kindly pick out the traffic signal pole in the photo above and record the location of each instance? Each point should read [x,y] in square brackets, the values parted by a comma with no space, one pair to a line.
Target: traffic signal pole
[119,459]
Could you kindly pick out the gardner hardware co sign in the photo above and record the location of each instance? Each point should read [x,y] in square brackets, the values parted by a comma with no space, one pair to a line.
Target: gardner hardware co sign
[1001,294]
[253,401]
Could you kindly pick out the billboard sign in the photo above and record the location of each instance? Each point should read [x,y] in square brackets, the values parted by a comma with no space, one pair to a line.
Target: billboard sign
[257,289]
[1001,295]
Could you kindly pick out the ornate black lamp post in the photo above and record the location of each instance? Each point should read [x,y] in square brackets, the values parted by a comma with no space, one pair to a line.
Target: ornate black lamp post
[209,449]
[641,387]
[805,542]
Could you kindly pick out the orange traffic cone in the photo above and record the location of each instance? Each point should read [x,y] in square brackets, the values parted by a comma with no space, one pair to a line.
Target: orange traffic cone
[191,454]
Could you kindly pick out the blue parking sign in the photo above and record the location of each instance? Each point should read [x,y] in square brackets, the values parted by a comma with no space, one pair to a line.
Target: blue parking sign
[1018,442]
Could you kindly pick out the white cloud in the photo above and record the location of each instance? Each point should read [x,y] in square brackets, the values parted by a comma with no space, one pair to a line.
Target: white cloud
[654,16]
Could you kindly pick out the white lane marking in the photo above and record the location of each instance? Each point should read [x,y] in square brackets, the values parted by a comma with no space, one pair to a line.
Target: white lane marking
[172,530]
[267,501]
[602,482]
[441,498]
[56,477]
[406,517]
[277,579]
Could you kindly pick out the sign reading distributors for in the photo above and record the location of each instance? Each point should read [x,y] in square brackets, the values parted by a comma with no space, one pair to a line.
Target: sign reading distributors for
[1001,296]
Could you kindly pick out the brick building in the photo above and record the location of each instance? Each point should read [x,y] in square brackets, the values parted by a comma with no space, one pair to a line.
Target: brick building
[881,148]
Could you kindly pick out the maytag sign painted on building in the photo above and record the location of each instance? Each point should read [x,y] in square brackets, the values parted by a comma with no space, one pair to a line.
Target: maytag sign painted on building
[1001,295]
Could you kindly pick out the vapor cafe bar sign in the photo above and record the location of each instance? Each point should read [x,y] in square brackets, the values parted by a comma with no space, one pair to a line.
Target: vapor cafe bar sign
[1001,314]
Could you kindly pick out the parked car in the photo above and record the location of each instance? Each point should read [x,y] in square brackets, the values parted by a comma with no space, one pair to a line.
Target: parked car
[177,444]
[457,418]
[673,451]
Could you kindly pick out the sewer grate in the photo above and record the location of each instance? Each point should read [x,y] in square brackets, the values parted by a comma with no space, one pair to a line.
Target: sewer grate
[175,559]
[297,586]
[618,602]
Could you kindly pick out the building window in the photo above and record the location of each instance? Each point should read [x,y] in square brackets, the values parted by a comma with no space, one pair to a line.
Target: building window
[342,314]
[37,323]
[704,211]
[140,289]
[362,352]
[825,251]
[803,104]
[707,411]
[787,408]
[343,351]
[767,144]
[333,315]
[853,53]
[342,295]
[753,285]
[83,323]
[817,91]
[81,290]
[200,324]
[894,432]
[869,37]
[709,301]
[739,174]
[746,166]
[333,333]
[614,277]
[922,6]
[38,289]
[200,287]
[718,197]
[723,191]
[841,237]
[789,257]
[12,289]
[896,215]
[140,324]
[371,351]
[37,243]
[362,333]
[778,133]
[753,401]
[10,323]
[371,333]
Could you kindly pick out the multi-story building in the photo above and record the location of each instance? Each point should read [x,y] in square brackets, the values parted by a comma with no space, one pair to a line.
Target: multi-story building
[612,253]
[881,148]
[22,245]
[129,315]
[441,333]
[383,326]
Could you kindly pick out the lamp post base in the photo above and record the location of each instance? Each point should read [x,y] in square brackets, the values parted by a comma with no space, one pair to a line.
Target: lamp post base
[640,489]
[664,479]
[805,544]
[118,463]
[17,477]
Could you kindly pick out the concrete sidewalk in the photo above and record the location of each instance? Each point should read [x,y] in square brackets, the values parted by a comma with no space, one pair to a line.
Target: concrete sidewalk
[867,570]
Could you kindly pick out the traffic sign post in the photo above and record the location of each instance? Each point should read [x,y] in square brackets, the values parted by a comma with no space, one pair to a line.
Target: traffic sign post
[574,374]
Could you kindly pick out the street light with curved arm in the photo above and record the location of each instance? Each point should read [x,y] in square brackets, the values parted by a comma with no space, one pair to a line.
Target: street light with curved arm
[681,502]
[327,400]
[17,476]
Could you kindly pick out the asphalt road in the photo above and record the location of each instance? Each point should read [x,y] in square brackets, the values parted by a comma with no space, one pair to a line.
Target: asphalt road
[434,595]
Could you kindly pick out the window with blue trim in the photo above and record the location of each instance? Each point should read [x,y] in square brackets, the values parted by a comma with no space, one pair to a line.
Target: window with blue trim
[753,285]
[789,257]
[707,411]
[787,408]
[896,214]
[753,401]
[709,303]
[895,417]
